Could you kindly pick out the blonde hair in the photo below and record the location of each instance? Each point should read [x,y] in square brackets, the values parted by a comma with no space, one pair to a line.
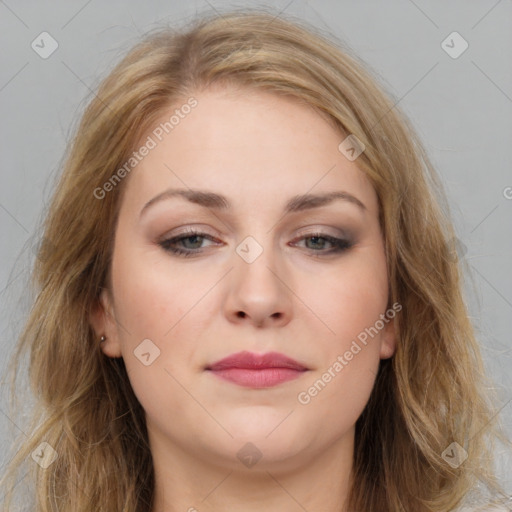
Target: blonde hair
[430,394]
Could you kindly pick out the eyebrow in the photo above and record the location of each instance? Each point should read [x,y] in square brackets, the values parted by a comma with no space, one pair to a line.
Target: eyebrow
[216,201]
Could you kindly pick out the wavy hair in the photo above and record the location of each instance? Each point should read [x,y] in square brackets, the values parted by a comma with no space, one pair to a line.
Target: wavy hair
[431,393]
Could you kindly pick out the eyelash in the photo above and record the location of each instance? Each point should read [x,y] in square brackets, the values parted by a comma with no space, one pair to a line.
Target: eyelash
[340,244]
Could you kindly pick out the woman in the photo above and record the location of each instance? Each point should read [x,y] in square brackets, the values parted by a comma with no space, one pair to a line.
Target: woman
[248,292]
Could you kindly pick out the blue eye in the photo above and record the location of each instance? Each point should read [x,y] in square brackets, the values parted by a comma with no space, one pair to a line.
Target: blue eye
[337,244]
[191,243]
[195,239]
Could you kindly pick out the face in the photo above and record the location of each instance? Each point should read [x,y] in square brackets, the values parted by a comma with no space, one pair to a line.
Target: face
[258,268]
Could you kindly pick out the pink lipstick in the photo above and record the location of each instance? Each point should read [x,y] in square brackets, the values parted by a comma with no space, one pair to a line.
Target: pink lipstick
[257,370]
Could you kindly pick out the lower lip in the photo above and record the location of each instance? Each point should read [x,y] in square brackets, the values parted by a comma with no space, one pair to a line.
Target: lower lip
[263,378]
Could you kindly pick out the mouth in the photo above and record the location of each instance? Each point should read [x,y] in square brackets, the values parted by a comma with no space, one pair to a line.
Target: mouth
[257,370]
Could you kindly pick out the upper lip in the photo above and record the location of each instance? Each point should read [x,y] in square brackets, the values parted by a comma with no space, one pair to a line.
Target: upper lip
[252,361]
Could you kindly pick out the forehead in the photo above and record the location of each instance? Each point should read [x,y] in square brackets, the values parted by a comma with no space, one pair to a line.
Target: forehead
[248,145]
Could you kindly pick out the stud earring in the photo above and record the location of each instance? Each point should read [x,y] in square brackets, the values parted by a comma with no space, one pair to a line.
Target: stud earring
[103,338]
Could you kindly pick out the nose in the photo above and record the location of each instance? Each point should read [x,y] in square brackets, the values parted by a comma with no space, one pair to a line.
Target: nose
[258,292]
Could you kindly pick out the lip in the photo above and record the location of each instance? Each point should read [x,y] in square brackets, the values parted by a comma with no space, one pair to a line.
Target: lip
[257,370]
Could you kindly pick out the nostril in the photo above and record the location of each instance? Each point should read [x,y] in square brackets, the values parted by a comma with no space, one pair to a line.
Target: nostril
[240,314]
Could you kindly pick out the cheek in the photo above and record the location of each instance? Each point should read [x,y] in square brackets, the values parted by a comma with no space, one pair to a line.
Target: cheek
[339,397]
[350,304]
[340,387]
[150,298]
[348,299]
[154,304]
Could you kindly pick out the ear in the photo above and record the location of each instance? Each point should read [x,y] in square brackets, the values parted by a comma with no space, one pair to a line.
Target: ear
[388,340]
[103,322]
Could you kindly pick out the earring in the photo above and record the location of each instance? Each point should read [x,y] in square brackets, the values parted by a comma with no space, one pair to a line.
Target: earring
[103,338]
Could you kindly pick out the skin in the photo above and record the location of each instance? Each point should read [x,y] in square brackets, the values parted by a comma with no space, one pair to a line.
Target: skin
[259,150]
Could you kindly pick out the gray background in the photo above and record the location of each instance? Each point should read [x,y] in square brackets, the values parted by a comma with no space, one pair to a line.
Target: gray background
[461,107]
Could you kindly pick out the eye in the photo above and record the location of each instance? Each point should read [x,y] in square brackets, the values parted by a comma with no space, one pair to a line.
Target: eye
[192,239]
[318,241]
